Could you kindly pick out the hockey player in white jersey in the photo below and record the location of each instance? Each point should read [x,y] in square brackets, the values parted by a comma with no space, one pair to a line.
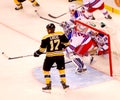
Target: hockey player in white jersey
[75,14]
[81,44]
[93,5]
[102,44]
[79,39]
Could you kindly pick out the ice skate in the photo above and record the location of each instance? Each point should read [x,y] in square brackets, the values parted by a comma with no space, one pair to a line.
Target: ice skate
[84,69]
[19,7]
[35,4]
[93,18]
[103,25]
[108,17]
[71,0]
[47,89]
[64,85]
[78,70]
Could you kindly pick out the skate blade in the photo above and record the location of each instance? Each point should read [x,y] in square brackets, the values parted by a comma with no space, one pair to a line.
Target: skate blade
[46,91]
[80,72]
[66,90]
[84,70]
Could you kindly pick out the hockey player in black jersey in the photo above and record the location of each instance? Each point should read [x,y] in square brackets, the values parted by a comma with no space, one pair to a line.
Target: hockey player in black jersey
[19,3]
[53,43]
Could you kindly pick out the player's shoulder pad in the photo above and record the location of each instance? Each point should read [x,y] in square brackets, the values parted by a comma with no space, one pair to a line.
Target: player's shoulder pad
[58,33]
[49,35]
[46,36]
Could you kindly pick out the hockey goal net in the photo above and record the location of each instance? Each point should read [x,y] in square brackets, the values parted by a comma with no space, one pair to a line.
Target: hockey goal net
[103,61]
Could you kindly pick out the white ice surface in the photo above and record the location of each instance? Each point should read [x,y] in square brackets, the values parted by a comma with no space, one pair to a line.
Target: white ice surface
[20,34]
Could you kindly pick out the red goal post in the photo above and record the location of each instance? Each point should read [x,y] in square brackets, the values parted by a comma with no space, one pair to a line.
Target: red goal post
[109,58]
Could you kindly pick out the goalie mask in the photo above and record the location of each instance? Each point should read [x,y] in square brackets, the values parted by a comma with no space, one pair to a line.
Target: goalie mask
[50,28]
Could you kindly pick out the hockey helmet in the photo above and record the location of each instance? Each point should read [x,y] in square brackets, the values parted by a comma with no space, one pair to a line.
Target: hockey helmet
[50,27]
[100,34]
[82,9]
[72,7]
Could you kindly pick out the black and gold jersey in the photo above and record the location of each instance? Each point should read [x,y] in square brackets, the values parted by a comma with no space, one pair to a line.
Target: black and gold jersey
[54,43]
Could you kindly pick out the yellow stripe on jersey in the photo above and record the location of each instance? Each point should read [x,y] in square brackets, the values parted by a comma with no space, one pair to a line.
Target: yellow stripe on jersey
[42,49]
[52,43]
[55,53]
[51,34]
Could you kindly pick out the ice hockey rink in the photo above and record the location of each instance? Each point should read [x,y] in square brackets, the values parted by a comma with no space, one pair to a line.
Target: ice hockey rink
[20,34]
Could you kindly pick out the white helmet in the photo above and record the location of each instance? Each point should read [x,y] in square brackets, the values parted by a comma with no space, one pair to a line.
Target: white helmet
[82,9]
[72,7]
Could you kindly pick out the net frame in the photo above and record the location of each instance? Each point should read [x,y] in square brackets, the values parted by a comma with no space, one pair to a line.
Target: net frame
[109,42]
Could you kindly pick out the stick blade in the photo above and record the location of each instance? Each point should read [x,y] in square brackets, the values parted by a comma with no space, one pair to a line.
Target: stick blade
[52,16]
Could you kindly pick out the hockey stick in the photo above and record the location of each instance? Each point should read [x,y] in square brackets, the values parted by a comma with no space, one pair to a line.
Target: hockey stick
[65,63]
[46,18]
[17,57]
[10,58]
[52,16]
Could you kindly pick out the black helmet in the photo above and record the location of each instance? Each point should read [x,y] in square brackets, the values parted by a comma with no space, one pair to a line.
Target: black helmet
[50,26]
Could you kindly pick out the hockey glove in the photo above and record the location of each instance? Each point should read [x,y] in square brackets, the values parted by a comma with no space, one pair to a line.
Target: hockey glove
[65,24]
[37,53]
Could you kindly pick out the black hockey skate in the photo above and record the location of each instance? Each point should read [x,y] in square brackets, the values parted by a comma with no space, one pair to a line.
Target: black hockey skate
[47,88]
[102,25]
[64,85]
[93,18]
[108,17]
[36,4]
[19,7]
[71,0]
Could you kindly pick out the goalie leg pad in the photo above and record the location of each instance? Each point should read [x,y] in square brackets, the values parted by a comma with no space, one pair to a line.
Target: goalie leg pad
[78,63]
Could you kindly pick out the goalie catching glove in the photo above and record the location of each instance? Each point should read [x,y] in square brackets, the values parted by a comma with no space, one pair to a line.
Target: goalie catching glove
[37,53]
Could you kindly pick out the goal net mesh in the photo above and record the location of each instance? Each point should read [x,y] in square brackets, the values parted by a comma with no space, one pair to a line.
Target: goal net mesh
[103,61]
